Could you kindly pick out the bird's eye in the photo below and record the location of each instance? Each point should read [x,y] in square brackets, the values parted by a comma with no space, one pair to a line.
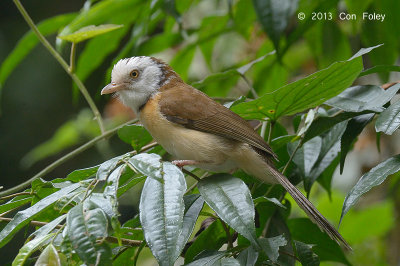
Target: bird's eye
[134,74]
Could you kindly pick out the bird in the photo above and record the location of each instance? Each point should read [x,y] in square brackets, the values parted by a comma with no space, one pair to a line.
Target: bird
[196,130]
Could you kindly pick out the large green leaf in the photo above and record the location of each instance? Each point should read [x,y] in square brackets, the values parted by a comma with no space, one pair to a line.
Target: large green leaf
[379,69]
[354,127]
[369,180]
[230,198]
[26,251]
[29,41]
[23,218]
[148,164]
[305,93]
[389,120]
[84,226]
[88,32]
[49,257]
[162,209]
[274,16]
[304,230]
[363,97]
[98,13]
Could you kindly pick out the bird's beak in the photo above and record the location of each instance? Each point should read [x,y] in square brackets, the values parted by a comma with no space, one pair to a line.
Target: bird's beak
[112,87]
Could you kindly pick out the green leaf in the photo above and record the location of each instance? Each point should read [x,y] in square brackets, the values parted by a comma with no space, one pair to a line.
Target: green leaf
[230,198]
[29,41]
[99,13]
[305,254]
[389,120]
[135,135]
[304,230]
[273,200]
[305,93]
[193,205]
[323,123]
[23,218]
[212,238]
[46,229]
[363,97]
[81,174]
[271,245]
[49,257]
[148,164]
[207,258]
[229,73]
[369,180]
[84,226]
[354,127]
[107,167]
[26,251]
[274,16]
[318,153]
[111,189]
[380,69]
[14,203]
[89,32]
[162,209]
[248,257]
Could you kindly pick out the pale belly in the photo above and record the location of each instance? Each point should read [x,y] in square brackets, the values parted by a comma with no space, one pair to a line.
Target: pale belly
[210,151]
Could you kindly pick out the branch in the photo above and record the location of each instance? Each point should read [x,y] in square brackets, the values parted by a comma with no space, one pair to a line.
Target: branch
[62,62]
[63,159]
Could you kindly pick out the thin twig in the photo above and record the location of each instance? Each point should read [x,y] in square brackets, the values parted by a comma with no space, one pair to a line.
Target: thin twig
[16,194]
[191,174]
[252,90]
[264,125]
[62,62]
[72,58]
[292,156]
[63,159]
[228,234]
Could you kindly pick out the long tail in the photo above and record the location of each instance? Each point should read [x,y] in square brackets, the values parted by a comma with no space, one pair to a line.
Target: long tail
[309,208]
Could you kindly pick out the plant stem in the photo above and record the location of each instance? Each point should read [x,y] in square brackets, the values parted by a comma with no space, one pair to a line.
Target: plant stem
[63,159]
[72,58]
[191,174]
[292,156]
[16,194]
[252,90]
[228,235]
[62,62]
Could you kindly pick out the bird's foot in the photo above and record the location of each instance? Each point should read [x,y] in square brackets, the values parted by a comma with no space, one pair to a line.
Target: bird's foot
[182,163]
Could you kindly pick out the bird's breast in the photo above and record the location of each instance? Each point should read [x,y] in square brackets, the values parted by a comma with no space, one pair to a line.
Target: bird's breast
[184,143]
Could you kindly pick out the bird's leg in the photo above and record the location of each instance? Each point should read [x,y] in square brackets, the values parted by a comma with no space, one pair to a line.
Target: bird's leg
[182,163]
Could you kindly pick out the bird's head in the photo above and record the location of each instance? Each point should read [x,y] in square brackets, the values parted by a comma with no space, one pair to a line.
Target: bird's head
[134,80]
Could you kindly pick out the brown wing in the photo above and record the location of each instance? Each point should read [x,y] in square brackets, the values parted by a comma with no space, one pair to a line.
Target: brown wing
[193,109]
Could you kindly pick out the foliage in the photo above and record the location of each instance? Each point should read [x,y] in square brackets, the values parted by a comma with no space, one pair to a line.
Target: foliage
[77,217]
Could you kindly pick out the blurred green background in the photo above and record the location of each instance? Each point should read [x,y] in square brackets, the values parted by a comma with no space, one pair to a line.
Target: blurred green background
[39,104]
